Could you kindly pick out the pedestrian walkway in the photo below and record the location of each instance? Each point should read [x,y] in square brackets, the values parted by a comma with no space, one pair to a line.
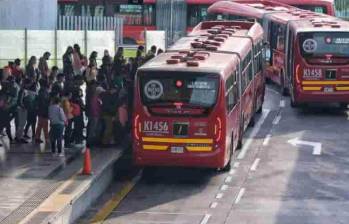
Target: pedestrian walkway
[29,175]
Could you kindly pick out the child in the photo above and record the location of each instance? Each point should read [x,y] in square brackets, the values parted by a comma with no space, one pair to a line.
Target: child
[57,121]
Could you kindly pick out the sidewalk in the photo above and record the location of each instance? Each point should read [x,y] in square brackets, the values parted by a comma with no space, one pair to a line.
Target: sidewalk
[29,176]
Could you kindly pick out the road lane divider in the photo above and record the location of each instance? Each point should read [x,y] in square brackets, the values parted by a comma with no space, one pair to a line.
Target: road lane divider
[240,194]
[224,187]
[228,179]
[219,195]
[282,103]
[214,205]
[277,120]
[255,164]
[267,140]
[205,219]
[254,132]
[114,202]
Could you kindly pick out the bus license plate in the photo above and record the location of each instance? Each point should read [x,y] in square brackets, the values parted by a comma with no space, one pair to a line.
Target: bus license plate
[328,89]
[177,149]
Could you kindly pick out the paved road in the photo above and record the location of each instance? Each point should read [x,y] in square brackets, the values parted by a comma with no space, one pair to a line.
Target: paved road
[272,181]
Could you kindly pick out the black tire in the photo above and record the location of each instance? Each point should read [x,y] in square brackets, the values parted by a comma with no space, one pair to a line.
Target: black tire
[228,165]
[252,122]
[260,109]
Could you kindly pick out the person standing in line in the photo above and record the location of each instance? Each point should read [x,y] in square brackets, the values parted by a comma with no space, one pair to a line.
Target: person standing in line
[106,67]
[21,115]
[118,66]
[53,75]
[17,72]
[77,60]
[68,111]
[151,53]
[57,120]
[58,86]
[42,104]
[31,71]
[43,66]
[5,114]
[68,69]
[29,102]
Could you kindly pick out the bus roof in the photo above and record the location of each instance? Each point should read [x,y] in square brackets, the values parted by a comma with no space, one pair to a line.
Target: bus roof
[214,47]
[306,2]
[215,63]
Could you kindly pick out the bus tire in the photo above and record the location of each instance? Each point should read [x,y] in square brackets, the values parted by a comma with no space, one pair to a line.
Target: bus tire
[284,90]
[260,109]
[252,122]
[294,104]
[227,167]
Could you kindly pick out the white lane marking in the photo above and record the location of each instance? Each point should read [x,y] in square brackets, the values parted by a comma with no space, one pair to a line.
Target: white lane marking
[224,187]
[316,145]
[277,120]
[213,204]
[241,193]
[232,172]
[282,103]
[267,140]
[219,195]
[255,164]
[256,129]
[228,179]
[205,219]
[236,164]
[348,114]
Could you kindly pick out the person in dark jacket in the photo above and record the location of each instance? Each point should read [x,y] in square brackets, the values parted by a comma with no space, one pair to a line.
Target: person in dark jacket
[106,67]
[118,66]
[58,86]
[68,69]
[32,71]
[109,106]
[42,104]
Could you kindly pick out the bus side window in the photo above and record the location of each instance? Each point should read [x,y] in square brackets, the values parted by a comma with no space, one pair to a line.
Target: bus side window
[232,91]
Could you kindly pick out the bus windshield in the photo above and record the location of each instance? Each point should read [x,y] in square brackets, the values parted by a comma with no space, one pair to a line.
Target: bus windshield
[314,8]
[188,89]
[322,44]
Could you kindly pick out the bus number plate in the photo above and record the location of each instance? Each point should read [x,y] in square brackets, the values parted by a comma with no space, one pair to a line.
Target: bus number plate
[328,89]
[177,149]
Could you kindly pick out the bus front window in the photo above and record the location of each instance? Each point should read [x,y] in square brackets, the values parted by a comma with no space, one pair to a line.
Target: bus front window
[332,46]
[186,89]
[314,8]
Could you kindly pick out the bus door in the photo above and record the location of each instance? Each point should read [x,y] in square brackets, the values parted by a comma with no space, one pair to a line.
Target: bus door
[289,59]
[247,89]
[277,46]
[258,73]
[233,107]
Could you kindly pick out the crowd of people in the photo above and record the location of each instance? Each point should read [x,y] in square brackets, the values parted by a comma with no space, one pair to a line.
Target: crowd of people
[59,104]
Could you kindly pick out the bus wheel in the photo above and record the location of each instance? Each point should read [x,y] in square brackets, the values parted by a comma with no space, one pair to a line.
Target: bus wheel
[284,91]
[260,109]
[294,104]
[231,153]
[252,122]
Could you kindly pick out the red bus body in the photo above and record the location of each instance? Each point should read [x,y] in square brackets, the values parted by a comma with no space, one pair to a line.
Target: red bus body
[277,22]
[172,122]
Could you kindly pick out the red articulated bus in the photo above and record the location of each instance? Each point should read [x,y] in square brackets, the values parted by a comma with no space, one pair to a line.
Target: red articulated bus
[193,103]
[307,53]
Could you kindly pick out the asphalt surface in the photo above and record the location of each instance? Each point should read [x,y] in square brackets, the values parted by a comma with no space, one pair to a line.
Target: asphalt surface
[271,180]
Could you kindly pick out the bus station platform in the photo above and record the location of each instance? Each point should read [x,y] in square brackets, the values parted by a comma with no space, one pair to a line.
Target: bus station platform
[37,187]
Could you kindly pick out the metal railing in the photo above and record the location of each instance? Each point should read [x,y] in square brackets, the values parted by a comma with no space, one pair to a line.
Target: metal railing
[342,9]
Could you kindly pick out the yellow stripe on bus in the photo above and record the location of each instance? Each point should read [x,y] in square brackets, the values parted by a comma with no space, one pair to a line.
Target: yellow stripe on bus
[155,147]
[311,88]
[199,149]
[343,88]
[178,140]
[325,82]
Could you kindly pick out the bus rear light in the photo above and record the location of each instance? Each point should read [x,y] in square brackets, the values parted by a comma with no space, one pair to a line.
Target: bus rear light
[218,129]
[298,74]
[136,127]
